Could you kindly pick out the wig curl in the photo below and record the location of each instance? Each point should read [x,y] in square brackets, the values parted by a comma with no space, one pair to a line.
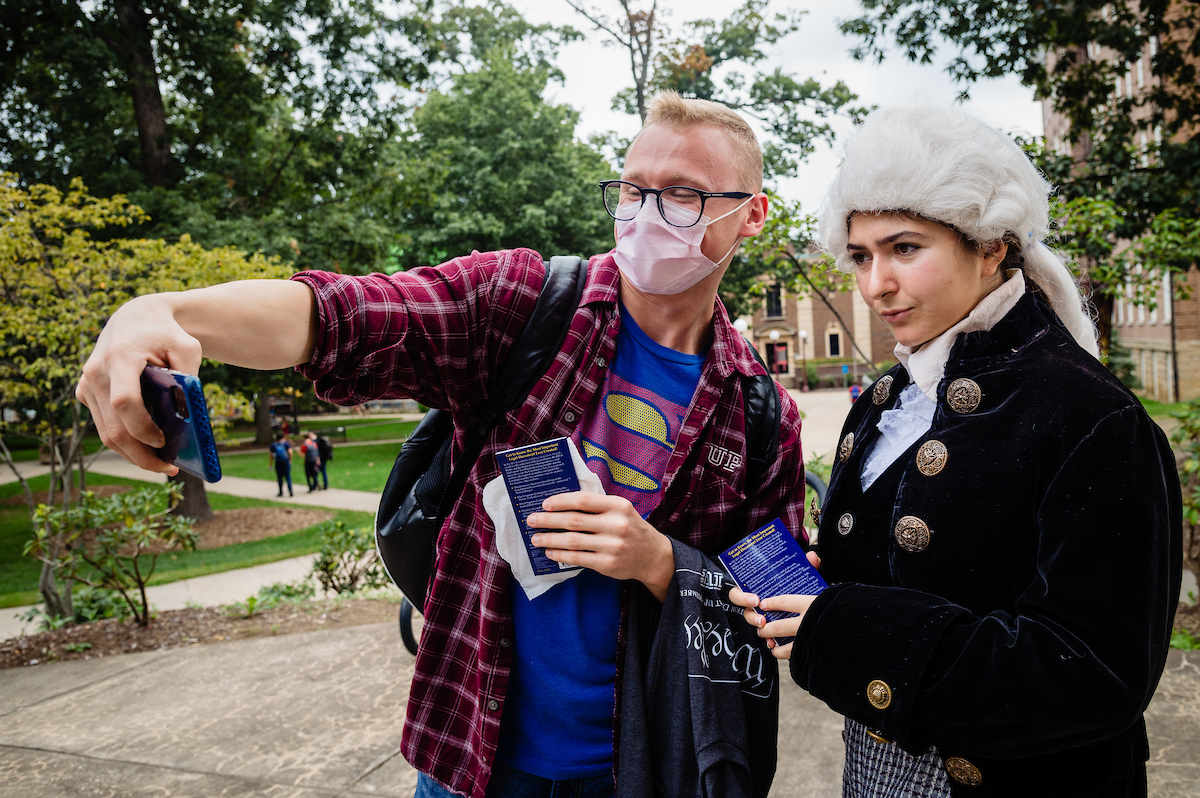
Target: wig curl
[945,165]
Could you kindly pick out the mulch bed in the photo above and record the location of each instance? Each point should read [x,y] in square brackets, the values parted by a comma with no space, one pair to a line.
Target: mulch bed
[192,626]
[1187,619]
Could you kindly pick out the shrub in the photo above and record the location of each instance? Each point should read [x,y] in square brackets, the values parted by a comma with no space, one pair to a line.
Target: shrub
[113,543]
[94,604]
[348,561]
[291,592]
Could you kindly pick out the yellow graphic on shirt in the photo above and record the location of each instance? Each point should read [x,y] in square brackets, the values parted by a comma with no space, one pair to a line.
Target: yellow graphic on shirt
[642,419]
[621,473]
[638,416]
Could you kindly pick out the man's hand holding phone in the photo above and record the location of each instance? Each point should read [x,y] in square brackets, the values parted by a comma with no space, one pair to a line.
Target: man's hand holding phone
[142,332]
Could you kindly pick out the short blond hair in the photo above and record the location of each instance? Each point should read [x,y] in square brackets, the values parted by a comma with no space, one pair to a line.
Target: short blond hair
[669,108]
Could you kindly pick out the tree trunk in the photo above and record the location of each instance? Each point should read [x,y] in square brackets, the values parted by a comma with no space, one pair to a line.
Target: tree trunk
[48,587]
[195,498]
[148,110]
[262,419]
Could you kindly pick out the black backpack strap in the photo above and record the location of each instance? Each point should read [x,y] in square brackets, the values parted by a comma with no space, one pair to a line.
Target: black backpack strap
[527,362]
[539,342]
[762,422]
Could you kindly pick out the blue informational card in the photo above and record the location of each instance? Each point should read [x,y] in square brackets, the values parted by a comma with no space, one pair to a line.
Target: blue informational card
[532,474]
[769,562]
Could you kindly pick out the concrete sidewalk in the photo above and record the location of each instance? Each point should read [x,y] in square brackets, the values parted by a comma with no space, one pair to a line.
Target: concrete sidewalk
[319,715]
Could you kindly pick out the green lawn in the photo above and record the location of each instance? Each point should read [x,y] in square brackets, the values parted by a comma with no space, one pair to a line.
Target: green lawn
[22,450]
[19,573]
[358,428]
[352,467]
[378,430]
[1161,410]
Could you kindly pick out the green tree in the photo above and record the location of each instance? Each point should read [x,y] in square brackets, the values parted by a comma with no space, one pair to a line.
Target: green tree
[265,125]
[501,168]
[60,281]
[713,60]
[783,254]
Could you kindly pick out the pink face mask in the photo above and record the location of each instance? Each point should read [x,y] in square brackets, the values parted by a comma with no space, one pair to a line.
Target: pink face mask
[659,258]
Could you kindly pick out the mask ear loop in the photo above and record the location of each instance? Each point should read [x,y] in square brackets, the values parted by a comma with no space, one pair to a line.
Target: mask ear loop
[738,240]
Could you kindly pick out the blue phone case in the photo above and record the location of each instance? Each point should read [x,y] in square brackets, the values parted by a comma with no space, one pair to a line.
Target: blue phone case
[176,403]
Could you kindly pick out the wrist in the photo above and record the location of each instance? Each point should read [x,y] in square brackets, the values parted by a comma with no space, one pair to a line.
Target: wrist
[660,569]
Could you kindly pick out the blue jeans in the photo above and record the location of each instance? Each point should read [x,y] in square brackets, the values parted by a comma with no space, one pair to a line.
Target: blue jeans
[507,782]
[281,474]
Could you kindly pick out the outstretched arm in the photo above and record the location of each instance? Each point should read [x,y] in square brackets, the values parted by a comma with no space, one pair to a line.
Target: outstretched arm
[259,324]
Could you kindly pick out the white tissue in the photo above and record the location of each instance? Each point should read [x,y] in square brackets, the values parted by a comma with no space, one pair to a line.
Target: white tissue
[508,533]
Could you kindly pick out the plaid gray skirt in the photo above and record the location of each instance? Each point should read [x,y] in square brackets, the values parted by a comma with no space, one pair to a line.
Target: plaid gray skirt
[884,770]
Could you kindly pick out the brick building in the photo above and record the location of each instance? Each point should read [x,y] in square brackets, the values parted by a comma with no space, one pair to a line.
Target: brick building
[1164,342]
[789,333]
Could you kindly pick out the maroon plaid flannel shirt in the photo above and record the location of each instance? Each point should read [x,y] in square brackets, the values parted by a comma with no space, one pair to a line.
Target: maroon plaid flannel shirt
[437,335]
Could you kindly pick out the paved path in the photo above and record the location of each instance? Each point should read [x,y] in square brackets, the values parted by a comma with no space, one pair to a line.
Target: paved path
[319,715]
[824,412]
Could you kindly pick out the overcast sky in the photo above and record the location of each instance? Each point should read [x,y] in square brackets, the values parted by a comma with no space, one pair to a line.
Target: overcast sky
[595,73]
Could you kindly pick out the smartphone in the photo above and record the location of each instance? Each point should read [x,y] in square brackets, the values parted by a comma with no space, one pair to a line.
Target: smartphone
[176,403]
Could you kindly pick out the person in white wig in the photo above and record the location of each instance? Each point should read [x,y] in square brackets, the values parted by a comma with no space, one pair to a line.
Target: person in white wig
[1001,534]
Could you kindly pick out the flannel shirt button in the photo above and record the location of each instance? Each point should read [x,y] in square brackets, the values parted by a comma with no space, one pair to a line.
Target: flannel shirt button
[493,705]
[569,417]
[504,642]
[601,362]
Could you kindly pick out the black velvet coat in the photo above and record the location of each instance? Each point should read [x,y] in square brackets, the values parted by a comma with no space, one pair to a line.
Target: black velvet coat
[1025,633]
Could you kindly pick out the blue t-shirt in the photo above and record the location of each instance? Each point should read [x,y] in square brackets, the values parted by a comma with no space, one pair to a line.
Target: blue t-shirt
[558,717]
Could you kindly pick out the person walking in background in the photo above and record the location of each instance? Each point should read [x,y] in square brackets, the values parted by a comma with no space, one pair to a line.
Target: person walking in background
[1001,534]
[279,455]
[325,450]
[312,461]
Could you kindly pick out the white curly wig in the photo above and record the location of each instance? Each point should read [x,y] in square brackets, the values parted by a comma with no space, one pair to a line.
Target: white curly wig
[945,165]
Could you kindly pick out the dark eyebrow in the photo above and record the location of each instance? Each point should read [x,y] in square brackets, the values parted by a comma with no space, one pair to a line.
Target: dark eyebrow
[892,239]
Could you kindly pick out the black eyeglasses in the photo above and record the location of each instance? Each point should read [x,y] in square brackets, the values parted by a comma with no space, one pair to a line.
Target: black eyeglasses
[684,207]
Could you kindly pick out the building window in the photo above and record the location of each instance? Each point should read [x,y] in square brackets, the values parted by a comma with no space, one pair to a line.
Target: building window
[835,345]
[774,302]
[1166,298]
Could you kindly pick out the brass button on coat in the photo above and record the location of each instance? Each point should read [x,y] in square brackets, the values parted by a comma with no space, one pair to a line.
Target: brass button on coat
[963,771]
[879,738]
[814,512]
[931,457]
[845,523]
[846,447]
[912,533]
[963,396]
[879,694]
[882,390]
